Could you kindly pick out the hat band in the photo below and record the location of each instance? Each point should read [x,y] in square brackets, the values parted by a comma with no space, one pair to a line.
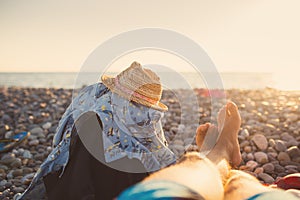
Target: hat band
[133,93]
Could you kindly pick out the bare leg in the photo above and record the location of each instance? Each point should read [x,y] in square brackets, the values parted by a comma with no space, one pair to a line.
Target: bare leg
[199,174]
[237,184]
[227,147]
[205,175]
[241,185]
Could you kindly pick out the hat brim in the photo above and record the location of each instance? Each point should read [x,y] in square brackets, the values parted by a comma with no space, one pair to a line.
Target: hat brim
[109,82]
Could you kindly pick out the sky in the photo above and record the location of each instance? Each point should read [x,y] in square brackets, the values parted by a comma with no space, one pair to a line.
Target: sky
[238,35]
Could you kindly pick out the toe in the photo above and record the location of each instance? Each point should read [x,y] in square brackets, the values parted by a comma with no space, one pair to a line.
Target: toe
[231,109]
[210,138]
[201,133]
[221,114]
[221,118]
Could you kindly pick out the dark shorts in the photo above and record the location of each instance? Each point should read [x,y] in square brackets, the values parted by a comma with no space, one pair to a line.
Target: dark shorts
[158,189]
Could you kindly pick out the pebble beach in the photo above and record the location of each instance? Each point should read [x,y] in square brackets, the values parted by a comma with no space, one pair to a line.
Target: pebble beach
[269,136]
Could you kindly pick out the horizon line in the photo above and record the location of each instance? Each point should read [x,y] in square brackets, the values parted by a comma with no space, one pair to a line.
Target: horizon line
[225,71]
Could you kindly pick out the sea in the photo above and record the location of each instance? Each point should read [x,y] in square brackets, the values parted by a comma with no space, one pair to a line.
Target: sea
[72,80]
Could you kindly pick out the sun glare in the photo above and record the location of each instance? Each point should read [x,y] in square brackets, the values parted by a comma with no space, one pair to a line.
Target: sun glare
[287,80]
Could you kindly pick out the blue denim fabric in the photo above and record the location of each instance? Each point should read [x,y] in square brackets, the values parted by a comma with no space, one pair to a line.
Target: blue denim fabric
[129,129]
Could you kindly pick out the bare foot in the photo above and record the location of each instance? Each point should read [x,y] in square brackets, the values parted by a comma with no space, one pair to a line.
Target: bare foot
[227,146]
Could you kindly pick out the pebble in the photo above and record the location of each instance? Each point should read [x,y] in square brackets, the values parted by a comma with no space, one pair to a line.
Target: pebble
[266,178]
[8,134]
[49,149]
[47,125]
[27,154]
[178,142]
[294,152]
[292,143]
[10,175]
[247,149]
[8,158]
[283,156]
[17,172]
[16,181]
[181,127]
[4,167]
[287,137]
[280,145]
[6,118]
[27,170]
[271,150]
[291,171]
[25,161]
[8,184]
[285,163]
[261,157]
[244,156]
[268,167]
[32,137]
[16,163]
[6,192]
[279,168]
[270,127]
[251,165]
[275,122]
[244,144]
[250,156]
[260,141]
[33,142]
[259,170]
[18,189]
[36,131]
[39,156]
[291,117]
[272,156]
[20,151]
[272,143]
[245,134]
[14,151]
[3,182]
[291,167]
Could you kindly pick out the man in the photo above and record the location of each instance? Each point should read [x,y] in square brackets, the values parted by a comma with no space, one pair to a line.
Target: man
[109,138]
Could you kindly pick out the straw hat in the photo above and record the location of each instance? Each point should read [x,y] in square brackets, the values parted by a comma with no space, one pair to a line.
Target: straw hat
[137,84]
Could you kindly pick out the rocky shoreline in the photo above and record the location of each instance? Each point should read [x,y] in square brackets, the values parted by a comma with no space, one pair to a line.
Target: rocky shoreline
[269,135]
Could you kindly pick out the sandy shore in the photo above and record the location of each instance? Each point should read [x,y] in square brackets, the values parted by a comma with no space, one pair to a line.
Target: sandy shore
[269,136]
